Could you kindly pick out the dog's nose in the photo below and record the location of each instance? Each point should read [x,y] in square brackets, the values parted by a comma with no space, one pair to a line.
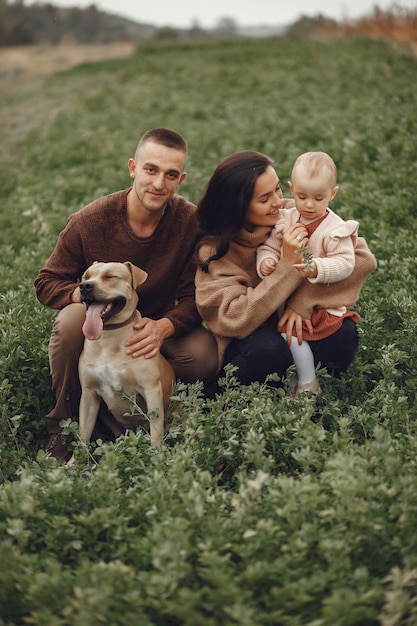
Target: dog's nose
[86,287]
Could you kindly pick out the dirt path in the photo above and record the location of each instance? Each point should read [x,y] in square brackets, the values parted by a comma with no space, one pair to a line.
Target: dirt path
[23,107]
[25,64]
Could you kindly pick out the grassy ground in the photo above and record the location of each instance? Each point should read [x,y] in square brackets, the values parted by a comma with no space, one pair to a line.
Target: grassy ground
[253,513]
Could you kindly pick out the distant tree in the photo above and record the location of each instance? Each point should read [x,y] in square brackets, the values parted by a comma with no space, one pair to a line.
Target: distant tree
[307,26]
[15,28]
[196,30]
[226,27]
[46,23]
[166,34]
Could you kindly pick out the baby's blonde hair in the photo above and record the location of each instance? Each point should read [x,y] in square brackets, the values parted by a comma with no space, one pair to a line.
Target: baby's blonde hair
[315,163]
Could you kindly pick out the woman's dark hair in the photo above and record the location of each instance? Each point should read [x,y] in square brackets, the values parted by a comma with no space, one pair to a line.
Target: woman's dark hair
[222,210]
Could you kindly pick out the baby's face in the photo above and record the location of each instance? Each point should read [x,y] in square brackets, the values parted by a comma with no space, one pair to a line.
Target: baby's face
[312,195]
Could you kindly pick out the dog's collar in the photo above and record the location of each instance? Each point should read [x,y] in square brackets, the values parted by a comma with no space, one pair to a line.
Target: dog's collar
[125,323]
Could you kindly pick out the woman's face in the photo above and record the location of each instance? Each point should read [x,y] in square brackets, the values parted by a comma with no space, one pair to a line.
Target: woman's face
[266,200]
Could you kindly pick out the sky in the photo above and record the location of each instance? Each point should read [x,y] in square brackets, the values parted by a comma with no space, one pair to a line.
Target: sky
[206,13]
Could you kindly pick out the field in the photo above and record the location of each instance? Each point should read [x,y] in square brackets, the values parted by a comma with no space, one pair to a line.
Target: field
[254,511]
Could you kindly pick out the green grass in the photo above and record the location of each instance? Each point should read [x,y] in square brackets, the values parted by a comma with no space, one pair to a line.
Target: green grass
[252,512]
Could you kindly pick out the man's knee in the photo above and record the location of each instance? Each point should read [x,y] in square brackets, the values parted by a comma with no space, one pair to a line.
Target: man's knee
[202,349]
[193,356]
[67,333]
[203,345]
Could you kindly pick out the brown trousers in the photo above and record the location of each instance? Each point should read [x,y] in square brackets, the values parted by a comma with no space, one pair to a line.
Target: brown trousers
[193,357]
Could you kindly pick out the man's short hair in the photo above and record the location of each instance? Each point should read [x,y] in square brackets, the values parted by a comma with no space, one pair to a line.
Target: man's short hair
[164,136]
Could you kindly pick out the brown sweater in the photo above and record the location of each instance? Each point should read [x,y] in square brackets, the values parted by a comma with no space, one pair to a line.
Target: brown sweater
[100,232]
[234,301]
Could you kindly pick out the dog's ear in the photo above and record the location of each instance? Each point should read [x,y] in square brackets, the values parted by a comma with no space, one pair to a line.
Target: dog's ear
[138,275]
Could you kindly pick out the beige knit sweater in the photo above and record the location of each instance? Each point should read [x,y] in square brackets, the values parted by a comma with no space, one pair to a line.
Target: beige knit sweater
[234,301]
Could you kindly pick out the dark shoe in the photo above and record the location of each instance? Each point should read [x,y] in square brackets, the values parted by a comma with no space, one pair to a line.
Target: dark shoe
[57,447]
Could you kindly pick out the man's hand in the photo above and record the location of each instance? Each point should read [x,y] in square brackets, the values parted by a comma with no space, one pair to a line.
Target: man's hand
[75,296]
[150,336]
[291,318]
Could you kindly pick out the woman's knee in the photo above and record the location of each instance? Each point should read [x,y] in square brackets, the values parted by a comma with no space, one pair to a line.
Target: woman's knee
[337,352]
[348,341]
[262,342]
[262,353]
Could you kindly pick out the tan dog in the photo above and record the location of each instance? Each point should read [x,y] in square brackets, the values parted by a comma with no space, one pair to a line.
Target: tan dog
[106,371]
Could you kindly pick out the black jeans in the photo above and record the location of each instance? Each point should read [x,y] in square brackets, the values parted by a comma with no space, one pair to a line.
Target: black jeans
[266,352]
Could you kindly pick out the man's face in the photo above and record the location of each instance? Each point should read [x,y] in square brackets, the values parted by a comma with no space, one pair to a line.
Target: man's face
[157,172]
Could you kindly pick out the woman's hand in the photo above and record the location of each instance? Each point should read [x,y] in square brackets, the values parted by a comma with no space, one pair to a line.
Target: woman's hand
[291,318]
[292,241]
[307,270]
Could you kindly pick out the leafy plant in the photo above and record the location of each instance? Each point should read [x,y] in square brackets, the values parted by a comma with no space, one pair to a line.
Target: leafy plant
[258,508]
[307,257]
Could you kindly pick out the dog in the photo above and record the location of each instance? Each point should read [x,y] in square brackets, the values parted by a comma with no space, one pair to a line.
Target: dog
[105,370]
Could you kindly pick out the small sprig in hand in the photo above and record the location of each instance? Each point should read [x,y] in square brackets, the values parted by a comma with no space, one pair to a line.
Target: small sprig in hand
[308,267]
[307,257]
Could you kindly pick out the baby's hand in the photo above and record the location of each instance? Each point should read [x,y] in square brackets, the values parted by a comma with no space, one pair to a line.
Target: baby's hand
[267,266]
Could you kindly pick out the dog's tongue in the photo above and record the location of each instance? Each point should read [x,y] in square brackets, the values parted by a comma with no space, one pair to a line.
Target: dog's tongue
[93,325]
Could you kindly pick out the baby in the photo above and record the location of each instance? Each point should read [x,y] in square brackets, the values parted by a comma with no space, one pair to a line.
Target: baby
[328,257]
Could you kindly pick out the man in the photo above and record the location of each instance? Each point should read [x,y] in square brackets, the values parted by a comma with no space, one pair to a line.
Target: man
[154,228]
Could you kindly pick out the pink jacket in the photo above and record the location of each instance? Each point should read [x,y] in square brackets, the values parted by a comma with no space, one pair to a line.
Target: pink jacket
[332,245]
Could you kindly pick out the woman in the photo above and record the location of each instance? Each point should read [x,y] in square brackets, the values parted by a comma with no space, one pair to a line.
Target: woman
[236,213]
